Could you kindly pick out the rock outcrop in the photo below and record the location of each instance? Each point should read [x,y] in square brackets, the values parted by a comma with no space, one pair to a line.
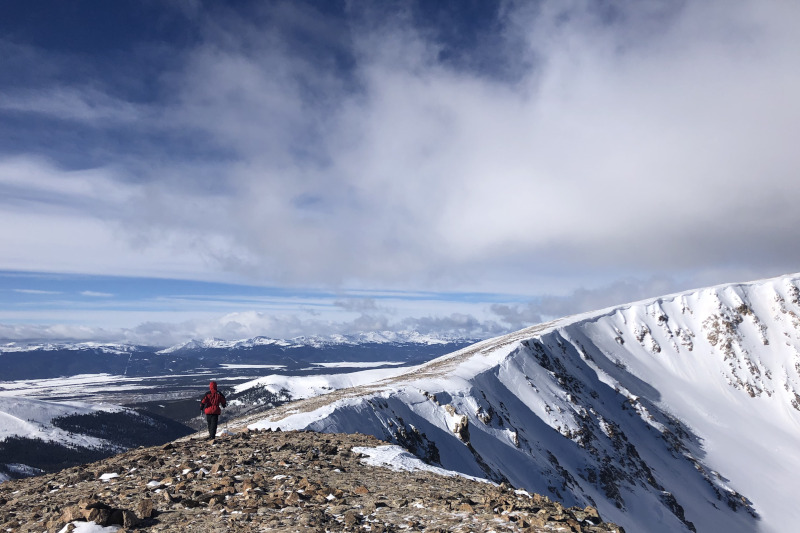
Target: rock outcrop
[274,481]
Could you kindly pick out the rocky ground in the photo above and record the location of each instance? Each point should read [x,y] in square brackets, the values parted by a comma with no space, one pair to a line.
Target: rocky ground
[274,481]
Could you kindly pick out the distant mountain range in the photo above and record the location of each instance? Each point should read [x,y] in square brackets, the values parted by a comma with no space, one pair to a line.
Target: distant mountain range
[375,337]
[51,360]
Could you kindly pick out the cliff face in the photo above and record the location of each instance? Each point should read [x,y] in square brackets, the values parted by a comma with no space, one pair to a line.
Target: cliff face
[276,481]
[680,413]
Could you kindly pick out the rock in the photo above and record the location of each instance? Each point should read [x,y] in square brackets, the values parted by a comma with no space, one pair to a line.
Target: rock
[144,508]
[98,516]
[264,482]
[351,518]
[292,499]
[72,513]
[129,519]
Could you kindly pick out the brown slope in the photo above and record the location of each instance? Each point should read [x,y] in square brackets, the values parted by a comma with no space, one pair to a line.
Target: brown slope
[274,481]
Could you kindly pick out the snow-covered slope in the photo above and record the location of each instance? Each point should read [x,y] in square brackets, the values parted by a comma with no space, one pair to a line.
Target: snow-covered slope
[308,386]
[675,414]
[43,436]
[24,417]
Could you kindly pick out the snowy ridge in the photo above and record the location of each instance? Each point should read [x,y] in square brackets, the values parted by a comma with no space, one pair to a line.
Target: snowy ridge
[679,413]
[308,386]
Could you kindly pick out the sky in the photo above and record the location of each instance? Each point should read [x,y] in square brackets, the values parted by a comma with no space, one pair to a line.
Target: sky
[175,170]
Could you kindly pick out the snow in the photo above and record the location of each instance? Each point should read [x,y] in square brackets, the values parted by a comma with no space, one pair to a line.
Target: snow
[315,385]
[29,418]
[239,366]
[109,476]
[80,384]
[13,347]
[400,460]
[23,470]
[689,400]
[88,527]
[357,364]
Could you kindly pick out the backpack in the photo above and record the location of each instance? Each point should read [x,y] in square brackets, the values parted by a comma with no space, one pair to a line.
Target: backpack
[211,402]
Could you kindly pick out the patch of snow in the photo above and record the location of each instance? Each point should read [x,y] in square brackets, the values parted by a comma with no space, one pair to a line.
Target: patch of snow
[356,364]
[399,459]
[88,527]
[239,366]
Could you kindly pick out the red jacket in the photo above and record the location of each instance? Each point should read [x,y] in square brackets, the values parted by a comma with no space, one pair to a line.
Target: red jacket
[213,400]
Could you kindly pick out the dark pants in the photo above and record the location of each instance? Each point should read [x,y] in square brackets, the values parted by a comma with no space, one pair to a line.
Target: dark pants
[212,425]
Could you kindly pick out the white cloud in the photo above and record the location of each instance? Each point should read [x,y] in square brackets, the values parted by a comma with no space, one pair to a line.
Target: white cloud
[660,140]
[243,325]
[83,104]
[657,143]
[96,294]
[35,291]
[549,307]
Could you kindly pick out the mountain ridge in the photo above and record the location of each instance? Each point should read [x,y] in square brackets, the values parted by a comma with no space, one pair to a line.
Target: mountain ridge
[282,482]
[645,408]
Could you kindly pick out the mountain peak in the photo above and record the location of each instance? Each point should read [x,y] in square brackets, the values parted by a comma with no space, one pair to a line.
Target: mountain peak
[674,403]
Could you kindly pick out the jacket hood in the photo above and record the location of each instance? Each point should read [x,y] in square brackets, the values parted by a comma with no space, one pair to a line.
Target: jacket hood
[212,386]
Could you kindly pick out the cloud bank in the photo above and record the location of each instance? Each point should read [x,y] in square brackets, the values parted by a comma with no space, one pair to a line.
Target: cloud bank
[553,147]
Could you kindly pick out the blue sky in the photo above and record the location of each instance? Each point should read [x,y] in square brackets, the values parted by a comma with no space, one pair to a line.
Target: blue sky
[171,170]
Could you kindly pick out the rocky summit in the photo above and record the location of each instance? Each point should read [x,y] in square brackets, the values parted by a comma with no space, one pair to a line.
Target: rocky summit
[274,481]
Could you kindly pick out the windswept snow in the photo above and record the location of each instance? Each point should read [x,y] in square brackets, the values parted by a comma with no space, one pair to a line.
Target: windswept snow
[399,459]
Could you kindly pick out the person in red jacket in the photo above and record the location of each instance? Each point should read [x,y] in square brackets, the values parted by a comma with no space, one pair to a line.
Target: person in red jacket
[210,405]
